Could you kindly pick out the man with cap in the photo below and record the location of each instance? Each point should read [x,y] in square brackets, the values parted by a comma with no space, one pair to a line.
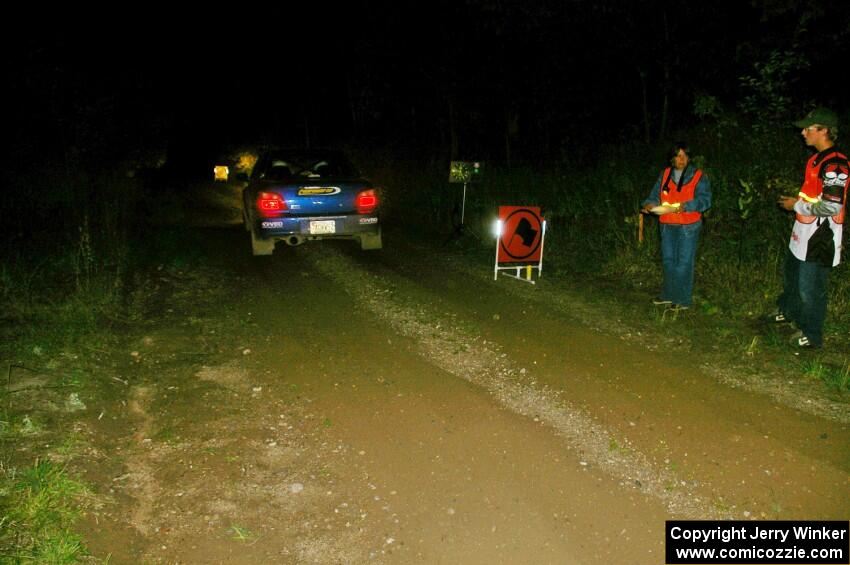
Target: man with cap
[815,245]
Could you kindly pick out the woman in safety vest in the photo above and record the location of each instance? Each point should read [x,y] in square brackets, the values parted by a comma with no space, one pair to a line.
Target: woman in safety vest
[680,196]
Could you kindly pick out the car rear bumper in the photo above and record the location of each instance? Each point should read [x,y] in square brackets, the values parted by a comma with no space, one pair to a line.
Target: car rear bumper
[318,226]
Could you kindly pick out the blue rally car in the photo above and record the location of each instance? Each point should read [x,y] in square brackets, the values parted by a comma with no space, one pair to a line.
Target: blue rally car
[296,196]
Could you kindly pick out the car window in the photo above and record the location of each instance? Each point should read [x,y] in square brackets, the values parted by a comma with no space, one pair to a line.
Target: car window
[279,170]
[287,167]
[332,167]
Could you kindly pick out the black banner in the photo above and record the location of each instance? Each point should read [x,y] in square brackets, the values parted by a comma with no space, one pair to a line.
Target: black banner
[757,542]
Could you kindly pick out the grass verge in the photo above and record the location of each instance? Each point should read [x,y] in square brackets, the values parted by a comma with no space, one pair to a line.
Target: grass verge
[38,508]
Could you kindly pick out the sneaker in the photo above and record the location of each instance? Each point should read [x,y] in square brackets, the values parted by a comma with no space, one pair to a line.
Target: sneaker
[800,341]
[661,302]
[675,309]
[777,318]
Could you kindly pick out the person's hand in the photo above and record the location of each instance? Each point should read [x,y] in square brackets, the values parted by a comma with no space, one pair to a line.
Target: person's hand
[786,202]
[646,208]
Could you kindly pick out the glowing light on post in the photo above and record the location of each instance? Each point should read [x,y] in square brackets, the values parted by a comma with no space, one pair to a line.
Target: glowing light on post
[497,229]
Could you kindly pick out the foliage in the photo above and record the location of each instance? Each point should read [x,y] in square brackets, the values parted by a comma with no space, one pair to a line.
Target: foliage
[768,97]
[746,198]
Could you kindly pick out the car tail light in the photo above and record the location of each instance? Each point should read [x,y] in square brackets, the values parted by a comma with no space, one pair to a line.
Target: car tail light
[366,201]
[270,204]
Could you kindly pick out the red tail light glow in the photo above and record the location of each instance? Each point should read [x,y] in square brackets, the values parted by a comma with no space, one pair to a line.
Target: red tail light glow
[366,201]
[270,204]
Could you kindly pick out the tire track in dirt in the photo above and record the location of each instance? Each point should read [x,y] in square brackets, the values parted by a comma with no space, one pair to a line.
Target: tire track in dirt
[460,479]
[448,346]
[746,454]
[140,469]
[792,392]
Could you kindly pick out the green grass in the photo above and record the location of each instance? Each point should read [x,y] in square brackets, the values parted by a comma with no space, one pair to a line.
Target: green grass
[15,427]
[71,446]
[166,435]
[721,505]
[815,370]
[753,347]
[241,533]
[836,378]
[38,508]
[842,378]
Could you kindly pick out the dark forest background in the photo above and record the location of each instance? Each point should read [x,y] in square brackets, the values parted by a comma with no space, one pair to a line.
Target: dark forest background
[507,82]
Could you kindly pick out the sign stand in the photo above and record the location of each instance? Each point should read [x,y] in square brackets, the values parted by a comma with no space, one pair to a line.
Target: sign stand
[461,229]
[520,235]
[463,172]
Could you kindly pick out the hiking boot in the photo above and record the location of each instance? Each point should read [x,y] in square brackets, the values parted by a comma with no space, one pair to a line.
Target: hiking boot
[662,302]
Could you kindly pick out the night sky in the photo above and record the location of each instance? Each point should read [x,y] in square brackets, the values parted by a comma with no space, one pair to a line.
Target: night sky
[436,76]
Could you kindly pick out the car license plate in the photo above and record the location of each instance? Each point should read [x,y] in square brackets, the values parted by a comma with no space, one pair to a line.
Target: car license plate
[322,226]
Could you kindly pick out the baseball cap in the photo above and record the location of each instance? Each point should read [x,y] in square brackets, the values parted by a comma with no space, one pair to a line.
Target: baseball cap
[821,116]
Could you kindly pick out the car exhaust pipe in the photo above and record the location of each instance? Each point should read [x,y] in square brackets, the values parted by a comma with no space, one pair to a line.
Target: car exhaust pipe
[294,240]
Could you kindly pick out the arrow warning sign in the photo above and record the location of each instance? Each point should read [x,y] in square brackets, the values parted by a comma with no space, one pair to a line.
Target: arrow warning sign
[521,235]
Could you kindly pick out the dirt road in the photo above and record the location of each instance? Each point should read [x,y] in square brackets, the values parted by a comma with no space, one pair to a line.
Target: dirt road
[326,405]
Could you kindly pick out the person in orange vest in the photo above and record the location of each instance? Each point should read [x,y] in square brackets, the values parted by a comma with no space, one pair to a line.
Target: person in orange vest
[815,245]
[680,196]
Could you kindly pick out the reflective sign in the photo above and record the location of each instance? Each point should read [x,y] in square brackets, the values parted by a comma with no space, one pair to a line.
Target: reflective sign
[521,234]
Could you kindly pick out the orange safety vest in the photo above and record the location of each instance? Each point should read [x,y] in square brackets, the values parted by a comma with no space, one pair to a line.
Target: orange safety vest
[812,187]
[680,194]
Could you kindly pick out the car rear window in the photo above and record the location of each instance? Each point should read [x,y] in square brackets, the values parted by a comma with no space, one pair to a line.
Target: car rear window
[289,167]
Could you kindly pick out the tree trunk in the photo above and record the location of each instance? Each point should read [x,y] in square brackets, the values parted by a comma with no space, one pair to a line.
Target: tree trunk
[645,99]
[511,129]
[352,105]
[667,63]
[453,138]
[306,127]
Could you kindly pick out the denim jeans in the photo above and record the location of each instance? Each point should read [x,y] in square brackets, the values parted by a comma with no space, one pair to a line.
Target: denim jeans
[678,251]
[803,300]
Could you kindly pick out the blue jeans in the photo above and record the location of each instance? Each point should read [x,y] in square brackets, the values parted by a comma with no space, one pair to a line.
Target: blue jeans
[678,251]
[803,300]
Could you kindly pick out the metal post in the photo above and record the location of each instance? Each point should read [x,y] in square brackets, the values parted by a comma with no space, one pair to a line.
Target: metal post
[463,205]
[542,242]
[498,241]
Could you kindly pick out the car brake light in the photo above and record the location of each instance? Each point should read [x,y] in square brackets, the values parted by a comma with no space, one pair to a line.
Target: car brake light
[270,204]
[366,201]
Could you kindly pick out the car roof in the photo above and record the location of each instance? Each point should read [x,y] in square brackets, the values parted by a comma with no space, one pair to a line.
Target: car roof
[276,152]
